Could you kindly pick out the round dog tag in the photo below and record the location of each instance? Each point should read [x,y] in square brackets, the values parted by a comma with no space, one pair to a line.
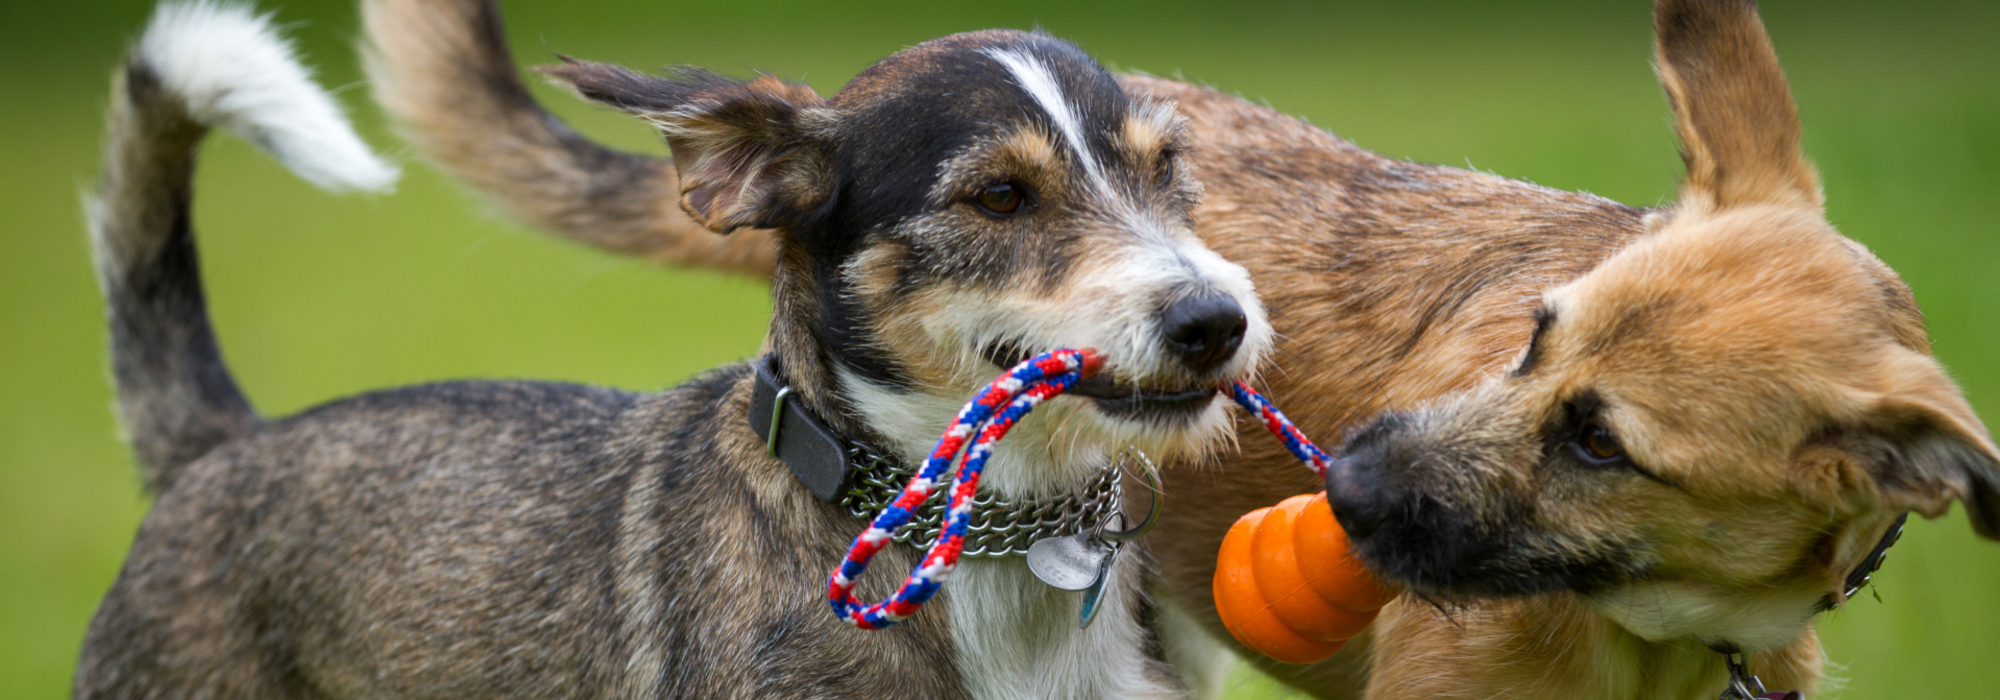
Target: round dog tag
[1070,563]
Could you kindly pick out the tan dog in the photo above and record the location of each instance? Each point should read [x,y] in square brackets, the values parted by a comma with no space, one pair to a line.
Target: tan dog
[1649,433]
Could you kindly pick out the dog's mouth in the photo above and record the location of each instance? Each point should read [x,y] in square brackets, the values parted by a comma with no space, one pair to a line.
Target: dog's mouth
[1121,397]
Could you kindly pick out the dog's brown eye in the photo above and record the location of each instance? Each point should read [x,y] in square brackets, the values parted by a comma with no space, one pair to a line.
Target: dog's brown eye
[1000,200]
[1167,168]
[1599,444]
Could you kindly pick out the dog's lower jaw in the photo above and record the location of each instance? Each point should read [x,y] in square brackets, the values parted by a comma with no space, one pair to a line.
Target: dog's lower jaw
[1556,646]
[1018,638]
[1751,618]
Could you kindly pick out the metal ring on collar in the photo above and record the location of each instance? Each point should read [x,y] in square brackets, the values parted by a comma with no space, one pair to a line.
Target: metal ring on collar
[1153,486]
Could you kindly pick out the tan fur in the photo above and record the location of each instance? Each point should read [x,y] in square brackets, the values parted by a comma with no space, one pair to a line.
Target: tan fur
[1154,126]
[1736,329]
[1742,145]
[1032,148]
[522,159]
[1747,360]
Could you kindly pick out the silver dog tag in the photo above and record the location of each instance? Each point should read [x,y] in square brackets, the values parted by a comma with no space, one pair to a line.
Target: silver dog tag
[1071,563]
[1082,562]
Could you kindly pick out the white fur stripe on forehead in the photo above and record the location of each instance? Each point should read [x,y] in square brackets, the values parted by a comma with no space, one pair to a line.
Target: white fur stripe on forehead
[1040,83]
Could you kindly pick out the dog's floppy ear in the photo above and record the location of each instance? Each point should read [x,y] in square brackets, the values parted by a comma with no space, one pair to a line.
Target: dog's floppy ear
[748,153]
[1922,448]
[1738,127]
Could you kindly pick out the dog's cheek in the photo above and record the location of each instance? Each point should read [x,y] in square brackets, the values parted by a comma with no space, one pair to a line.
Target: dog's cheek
[1727,540]
[945,288]
[1097,300]
[1550,524]
[896,312]
[933,356]
[1035,251]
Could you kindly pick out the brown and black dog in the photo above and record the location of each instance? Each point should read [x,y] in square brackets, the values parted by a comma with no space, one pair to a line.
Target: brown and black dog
[541,540]
[1609,439]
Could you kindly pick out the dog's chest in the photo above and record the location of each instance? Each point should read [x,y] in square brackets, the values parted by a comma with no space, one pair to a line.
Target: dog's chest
[1017,637]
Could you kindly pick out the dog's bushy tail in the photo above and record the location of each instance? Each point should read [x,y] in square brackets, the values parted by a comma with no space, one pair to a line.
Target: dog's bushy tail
[442,70]
[199,65]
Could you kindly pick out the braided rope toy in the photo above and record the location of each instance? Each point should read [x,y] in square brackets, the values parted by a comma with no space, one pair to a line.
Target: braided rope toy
[1301,447]
[991,413]
[983,421]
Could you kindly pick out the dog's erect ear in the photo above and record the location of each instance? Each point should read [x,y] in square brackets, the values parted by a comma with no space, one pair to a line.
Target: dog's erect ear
[748,153]
[1923,448]
[1738,127]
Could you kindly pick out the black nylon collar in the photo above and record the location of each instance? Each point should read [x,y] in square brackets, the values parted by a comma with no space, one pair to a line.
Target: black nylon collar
[1860,575]
[816,454]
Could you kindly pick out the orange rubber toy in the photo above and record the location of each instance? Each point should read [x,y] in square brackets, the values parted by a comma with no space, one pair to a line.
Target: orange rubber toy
[1285,585]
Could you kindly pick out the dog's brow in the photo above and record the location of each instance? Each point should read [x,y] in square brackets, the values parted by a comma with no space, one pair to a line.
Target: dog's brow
[1028,147]
[1544,317]
[1035,78]
[1150,127]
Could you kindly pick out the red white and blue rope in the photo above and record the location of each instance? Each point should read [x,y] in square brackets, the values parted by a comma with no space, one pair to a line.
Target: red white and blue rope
[984,420]
[1315,458]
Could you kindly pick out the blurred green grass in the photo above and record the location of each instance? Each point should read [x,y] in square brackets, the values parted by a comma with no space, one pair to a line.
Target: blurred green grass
[317,297]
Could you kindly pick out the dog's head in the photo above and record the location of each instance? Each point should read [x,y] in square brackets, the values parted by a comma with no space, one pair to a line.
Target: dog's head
[956,207]
[1710,430]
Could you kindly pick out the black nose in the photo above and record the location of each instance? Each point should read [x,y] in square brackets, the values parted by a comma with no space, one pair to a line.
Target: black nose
[1360,500]
[1204,331]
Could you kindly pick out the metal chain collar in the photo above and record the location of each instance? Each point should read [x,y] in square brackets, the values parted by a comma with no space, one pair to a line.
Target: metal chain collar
[997,528]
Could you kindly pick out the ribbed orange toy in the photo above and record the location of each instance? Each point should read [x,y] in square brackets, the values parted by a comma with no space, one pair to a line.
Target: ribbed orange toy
[1285,585]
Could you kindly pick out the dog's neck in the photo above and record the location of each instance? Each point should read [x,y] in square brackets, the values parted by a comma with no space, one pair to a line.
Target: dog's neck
[796,337]
[1585,652]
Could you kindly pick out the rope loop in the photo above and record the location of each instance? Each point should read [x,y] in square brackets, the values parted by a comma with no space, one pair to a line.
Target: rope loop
[984,420]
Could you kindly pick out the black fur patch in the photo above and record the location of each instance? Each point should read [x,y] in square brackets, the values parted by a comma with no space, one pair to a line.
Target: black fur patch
[1544,317]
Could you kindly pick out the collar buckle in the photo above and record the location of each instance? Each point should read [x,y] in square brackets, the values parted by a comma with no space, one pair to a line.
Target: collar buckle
[817,456]
[777,420]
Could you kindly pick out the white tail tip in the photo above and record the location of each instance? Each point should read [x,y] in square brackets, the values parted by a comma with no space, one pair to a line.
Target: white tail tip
[233,71]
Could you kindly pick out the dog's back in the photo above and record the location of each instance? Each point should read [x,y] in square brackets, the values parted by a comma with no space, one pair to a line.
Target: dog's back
[489,540]
[191,610]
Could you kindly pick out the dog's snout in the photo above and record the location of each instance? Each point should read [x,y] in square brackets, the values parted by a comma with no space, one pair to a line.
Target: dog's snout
[1204,331]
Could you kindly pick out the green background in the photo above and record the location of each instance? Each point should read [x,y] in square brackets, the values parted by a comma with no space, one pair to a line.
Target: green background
[317,297]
